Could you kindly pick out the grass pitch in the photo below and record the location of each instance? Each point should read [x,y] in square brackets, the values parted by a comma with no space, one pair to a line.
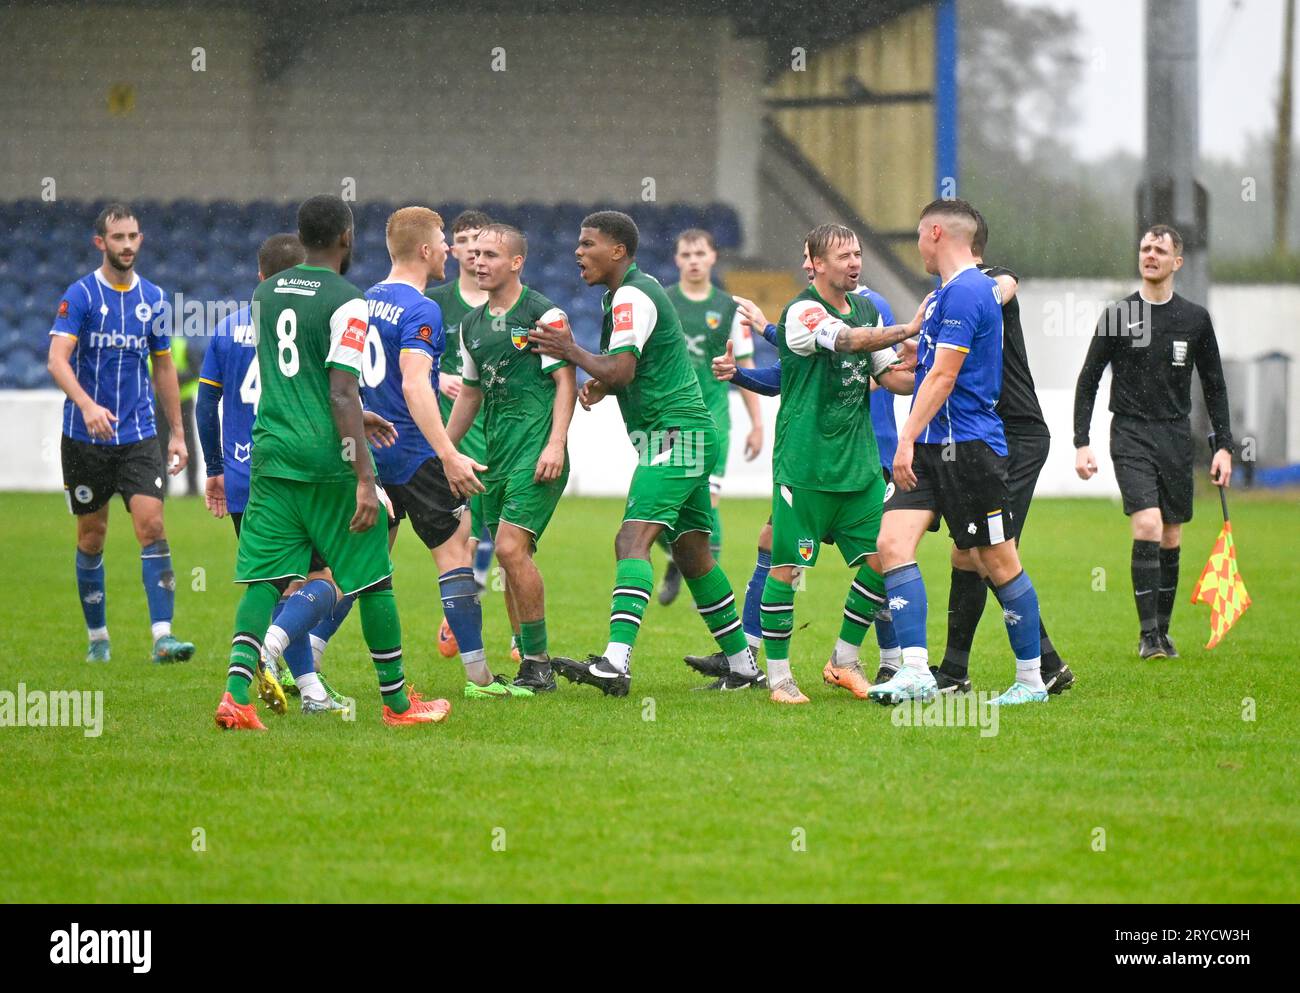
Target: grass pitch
[717,797]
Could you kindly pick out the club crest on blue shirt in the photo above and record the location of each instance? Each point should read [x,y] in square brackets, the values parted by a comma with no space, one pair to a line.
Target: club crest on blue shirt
[806,549]
[143,311]
[713,318]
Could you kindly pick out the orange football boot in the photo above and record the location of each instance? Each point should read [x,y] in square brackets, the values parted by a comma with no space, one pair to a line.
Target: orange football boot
[421,711]
[849,677]
[233,716]
[447,645]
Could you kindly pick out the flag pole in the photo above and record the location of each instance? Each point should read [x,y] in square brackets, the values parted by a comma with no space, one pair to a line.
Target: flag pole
[1223,490]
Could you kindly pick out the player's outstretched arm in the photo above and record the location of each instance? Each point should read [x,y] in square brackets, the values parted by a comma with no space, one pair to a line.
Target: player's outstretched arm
[551,464]
[422,401]
[931,396]
[345,409]
[874,339]
[167,386]
[899,381]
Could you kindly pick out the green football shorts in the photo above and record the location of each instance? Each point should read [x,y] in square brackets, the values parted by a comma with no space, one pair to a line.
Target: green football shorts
[518,500]
[286,518]
[671,483]
[802,519]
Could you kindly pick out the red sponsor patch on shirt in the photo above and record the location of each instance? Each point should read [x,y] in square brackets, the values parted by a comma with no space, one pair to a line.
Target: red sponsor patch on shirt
[63,308]
[425,333]
[354,336]
[812,317]
[623,317]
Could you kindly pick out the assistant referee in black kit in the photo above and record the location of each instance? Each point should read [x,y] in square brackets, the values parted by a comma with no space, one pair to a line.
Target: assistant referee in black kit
[1151,339]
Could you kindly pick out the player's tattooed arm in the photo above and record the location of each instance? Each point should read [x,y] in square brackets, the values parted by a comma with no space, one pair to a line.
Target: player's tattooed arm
[99,420]
[615,371]
[936,389]
[874,339]
[551,464]
[166,385]
[417,390]
[345,409]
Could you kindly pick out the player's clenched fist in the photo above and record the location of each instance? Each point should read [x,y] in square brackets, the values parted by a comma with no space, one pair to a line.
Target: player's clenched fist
[1085,464]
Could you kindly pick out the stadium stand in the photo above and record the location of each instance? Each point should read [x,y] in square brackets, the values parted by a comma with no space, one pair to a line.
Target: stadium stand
[206,251]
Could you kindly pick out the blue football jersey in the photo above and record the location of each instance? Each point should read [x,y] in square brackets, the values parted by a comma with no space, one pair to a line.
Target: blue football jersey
[116,330]
[966,315]
[402,319]
[231,365]
[882,401]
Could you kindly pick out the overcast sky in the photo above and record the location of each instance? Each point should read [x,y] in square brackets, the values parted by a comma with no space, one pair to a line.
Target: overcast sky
[1241,56]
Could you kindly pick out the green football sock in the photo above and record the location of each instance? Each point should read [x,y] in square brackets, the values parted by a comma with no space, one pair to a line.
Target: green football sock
[717,605]
[778,619]
[715,539]
[532,639]
[383,633]
[866,596]
[633,581]
[252,618]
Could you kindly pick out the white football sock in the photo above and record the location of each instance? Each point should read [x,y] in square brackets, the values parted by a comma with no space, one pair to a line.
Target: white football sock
[778,671]
[311,689]
[619,655]
[100,634]
[161,629]
[846,653]
[275,642]
[317,650]
[1030,673]
[891,658]
[917,658]
[742,663]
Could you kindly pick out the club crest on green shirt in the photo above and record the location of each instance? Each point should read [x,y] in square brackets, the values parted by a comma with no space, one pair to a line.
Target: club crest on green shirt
[713,318]
[519,338]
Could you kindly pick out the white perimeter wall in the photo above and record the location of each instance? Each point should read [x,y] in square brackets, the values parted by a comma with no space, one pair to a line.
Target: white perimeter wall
[1249,320]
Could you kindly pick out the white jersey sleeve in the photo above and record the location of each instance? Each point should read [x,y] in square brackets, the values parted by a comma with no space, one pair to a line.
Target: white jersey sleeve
[809,325]
[742,341]
[348,327]
[468,367]
[635,315]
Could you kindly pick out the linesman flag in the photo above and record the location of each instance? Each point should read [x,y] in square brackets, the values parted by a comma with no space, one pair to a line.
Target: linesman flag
[1221,585]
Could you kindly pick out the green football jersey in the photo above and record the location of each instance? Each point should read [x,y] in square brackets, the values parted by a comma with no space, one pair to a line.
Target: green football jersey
[664,393]
[824,438]
[708,325]
[454,308]
[309,320]
[518,388]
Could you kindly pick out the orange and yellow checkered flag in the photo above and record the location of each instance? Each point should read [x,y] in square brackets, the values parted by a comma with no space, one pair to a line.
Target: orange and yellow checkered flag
[1222,587]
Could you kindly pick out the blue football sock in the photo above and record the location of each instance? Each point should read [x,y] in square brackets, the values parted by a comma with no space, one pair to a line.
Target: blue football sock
[90,588]
[298,657]
[751,618]
[886,636]
[302,611]
[159,581]
[326,628]
[1019,602]
[907,606]
[464,612]
[482,559]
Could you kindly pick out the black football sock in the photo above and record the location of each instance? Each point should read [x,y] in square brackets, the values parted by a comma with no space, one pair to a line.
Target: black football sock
[966,596]
[1146,581]
[1052,661]
[1168,587]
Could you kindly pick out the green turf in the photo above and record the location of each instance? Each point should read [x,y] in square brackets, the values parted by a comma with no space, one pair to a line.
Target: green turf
[708,800]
